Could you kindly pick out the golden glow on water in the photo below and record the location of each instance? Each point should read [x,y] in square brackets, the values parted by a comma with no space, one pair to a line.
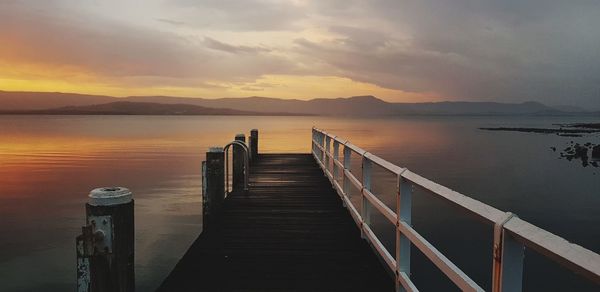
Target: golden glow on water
[31,148]
[19,147]
[99,147]
[48,164]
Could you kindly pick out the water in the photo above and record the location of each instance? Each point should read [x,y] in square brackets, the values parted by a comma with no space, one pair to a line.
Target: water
[48,164]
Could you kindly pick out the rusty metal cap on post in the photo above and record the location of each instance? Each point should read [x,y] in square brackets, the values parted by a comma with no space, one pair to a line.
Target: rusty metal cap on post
[240,136]
[109,196]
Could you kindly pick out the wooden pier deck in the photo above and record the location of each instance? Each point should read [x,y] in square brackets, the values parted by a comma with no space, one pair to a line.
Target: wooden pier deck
[290,232]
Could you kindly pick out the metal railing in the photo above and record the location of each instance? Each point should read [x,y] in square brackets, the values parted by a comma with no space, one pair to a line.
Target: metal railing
[246,166]
[511,234]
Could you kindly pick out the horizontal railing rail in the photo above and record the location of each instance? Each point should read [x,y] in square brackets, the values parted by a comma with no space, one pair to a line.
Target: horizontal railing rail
[511,234]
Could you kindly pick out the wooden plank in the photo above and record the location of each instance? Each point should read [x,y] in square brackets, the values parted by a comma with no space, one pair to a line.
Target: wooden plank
[289,233]
[385,255]
[486,213]
[381,207]
[353,179]
[575,257]
[439,260]
[406,283]
[384,163]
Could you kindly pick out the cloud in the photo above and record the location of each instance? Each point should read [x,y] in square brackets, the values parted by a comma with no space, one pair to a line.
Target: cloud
[220,46]
[495,50]
[117,51]
[172,22]
[543,50]
[251,88]
[96,45]
[246,15]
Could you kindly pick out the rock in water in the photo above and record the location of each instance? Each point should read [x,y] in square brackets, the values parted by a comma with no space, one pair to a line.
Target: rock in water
[596,152]
[581,152]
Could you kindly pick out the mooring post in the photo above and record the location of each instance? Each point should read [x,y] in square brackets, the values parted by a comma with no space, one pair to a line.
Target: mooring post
[238,163]
[253,140]
[213,184]
[105,249]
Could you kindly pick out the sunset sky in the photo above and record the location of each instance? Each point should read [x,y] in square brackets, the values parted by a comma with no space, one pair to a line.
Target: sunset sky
[425,50]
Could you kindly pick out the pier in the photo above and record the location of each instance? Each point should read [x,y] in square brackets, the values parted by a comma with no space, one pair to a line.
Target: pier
[288,222]
[289,232]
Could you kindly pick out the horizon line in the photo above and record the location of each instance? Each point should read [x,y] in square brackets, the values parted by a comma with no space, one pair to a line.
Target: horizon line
[295,99]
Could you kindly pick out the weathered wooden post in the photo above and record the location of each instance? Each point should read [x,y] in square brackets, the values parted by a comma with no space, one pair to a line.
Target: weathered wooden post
[105,249]
[253,144]
[238,163]
[213,184]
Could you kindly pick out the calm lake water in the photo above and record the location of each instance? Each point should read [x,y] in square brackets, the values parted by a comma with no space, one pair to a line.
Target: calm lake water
[48,164]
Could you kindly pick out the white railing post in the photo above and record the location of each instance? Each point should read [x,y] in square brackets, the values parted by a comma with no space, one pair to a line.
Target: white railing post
[318,149]
[336,158]
[511,234]
[403,212]
[322,143]
[327,150]
[511,275]
[508,254]
[347,159]
[320,140]
[312,141]
[365,211]
[315,141]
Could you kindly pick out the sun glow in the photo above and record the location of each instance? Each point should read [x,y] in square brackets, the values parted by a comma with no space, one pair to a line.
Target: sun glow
[280,86]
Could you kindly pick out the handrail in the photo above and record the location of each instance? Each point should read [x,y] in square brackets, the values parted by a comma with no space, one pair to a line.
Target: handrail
[246,163]
[512,234]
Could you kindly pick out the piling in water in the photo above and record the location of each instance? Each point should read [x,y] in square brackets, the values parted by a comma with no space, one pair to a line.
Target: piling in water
[105,249]
[238,163]
[253,141]
[213,184]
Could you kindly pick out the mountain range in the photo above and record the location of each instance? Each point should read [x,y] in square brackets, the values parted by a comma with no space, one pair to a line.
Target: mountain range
[70,103]
[137,108]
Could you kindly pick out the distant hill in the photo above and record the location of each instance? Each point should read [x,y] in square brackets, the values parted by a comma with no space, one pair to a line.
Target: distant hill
[135,108]
[23,100]
[358,105]
[351,106]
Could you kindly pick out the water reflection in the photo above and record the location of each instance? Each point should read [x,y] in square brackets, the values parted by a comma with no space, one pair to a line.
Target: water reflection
[48,164]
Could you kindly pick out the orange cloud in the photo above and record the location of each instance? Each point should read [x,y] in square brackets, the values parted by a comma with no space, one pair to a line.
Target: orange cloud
[58,50]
